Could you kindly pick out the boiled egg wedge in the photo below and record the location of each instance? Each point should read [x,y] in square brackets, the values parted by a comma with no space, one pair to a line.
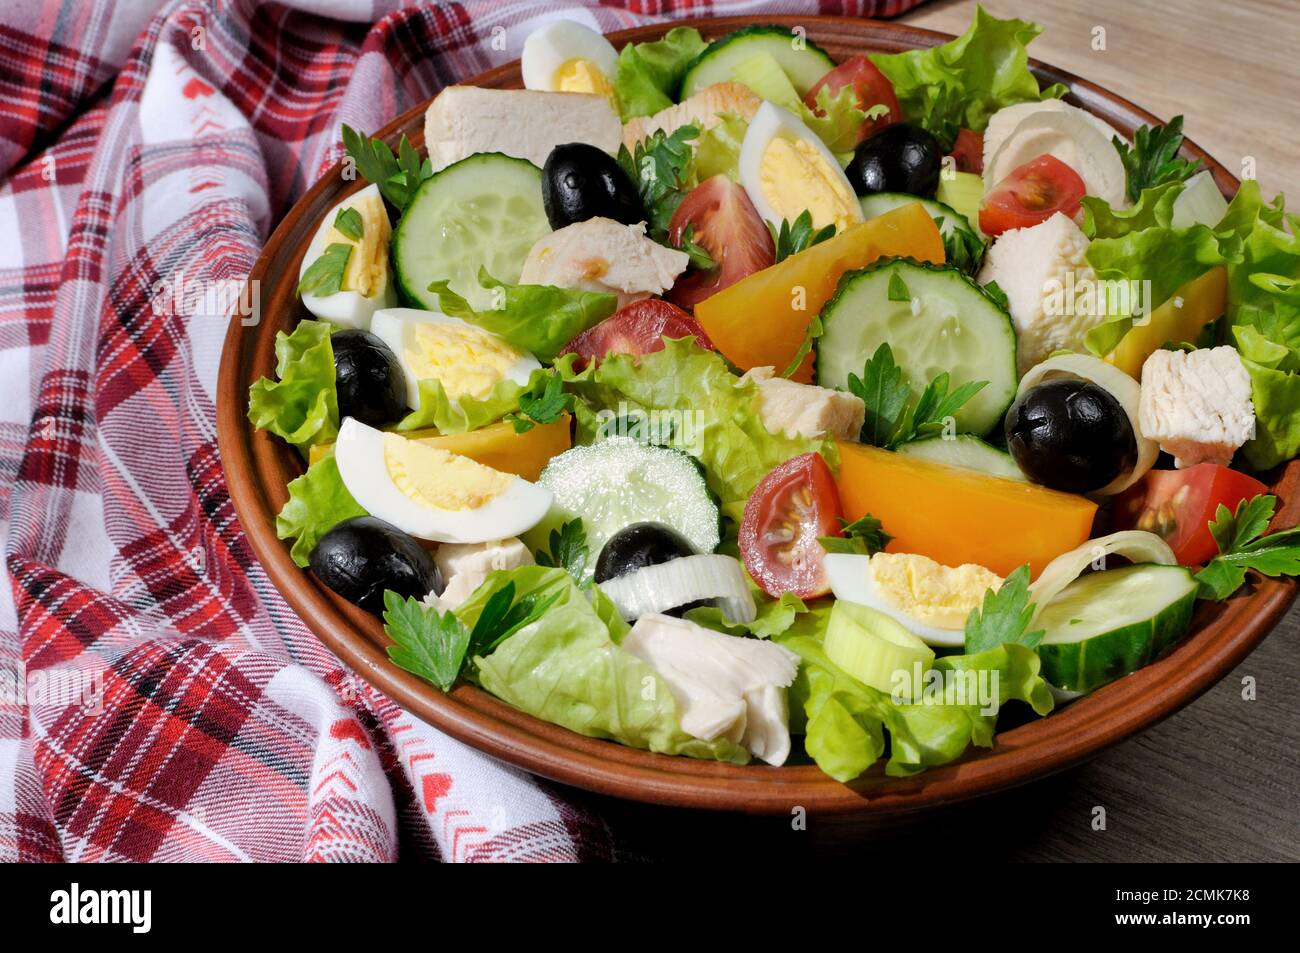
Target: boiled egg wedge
[786,169]
[431,493]
[367,283]
[927,598]
[467,360]
[567,57]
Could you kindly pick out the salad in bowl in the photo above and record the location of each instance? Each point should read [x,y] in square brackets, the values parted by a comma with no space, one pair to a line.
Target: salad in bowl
[721,400]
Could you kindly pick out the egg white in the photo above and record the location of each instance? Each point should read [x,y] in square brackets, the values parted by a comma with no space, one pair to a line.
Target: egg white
[851,580]
[359,454]
[551,46]
[396,328]
[349,309]
[769,122]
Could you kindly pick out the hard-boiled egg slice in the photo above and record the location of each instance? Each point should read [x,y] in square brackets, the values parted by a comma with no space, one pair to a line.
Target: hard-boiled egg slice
[468,360]
[567,57]
[367,282]
[786,169]
[431,493]
[927,598]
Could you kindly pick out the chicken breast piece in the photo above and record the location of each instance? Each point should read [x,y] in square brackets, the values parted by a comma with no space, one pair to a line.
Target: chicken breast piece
[1196,404]
[524,123]
[601,254]
[704,110]
[806,410]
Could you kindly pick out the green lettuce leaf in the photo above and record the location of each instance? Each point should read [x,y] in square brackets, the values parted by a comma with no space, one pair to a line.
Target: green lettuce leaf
[649,73]
[719,416]
[966,80]
[301,406]
[1154,209]
[318,501]
[567,668]
[539,319]
[846,721]
[717,150]
[838,120]
[466,413]
[774,616]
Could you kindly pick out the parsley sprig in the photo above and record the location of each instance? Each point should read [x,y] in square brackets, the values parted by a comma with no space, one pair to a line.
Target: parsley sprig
[544,402]
[324,276]
[1153,158]
[1243,546]
[862,537]
[892,419]
[799,235]
[658,166]
[568,549]
[398,176]
[1003,617]
[349,224]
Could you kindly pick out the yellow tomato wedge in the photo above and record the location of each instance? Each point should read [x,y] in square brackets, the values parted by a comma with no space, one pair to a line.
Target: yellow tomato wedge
[1181,318]
[761,320]
[958,516]
[496,446]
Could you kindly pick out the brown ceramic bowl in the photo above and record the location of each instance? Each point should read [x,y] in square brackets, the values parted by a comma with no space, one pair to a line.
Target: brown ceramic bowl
[259,466]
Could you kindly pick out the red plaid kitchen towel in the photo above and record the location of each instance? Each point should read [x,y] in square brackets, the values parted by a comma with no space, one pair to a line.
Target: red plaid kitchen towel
[158,700]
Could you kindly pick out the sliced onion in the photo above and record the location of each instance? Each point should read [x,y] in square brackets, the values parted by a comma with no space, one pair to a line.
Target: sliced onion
[1135,545]
[1119,385]
[679,581]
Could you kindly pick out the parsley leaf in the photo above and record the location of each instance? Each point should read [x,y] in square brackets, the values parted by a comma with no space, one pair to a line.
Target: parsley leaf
[657,167]
[1243,546]
[502,617]
[700,257]
[898,288]
[426,643]
[999,297]
[794,237]
[963,249]
[885,392]
[324,276]
[1153,158]
[349,224]
[862,537]
[933,409]
[1004,617]
[398,176]
[545,407]
[569,550]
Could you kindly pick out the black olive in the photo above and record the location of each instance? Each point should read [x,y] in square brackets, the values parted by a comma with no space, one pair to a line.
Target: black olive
[367,378]
[580,182]
[644,544]
[898,158]
[361,557]
[1071,435]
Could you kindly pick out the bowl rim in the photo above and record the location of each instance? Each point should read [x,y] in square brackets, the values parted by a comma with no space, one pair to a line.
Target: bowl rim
[257,467]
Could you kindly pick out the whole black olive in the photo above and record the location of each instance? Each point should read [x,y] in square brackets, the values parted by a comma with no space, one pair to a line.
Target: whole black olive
[898,158]
[367,378]
[361,557]
[644,544]
[1071,435]
[580,182]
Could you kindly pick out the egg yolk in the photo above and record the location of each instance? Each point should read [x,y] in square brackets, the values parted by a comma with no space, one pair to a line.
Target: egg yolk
[368,264]
[437,478]
[795,176]
[930,592]
[467,360]
[581,76]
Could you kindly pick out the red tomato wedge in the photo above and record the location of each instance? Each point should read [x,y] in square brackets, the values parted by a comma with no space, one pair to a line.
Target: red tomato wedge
[968,152]
[725,223]
[870,85]
[1032,193]
[637,328]
[1178,505]
[794,505]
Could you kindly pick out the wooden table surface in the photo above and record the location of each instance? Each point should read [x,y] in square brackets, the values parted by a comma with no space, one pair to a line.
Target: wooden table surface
[1220,780]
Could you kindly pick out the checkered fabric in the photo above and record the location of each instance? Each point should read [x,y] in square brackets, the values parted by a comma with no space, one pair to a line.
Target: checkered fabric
[158,700]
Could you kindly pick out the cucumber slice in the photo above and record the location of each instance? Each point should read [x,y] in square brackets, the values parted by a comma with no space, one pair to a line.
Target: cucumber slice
[620,481]
[876,650]
[803,62]
[765,78]
[947,324]
[967,452]
[1107,624]
[962,245]
[481,212]
[963,191]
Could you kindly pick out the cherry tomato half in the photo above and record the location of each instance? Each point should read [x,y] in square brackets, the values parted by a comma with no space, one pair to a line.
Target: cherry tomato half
[637,328]
[872,87]
[1032,193]
[790,509]
[725,223]
[1178,505]
[968,152]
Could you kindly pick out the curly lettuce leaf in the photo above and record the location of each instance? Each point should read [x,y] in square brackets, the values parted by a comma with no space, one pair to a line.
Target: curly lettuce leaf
[568,669]
[837,120]
[539,319]
[317,502]
[649,74]
[301,406]
[966,80]
[717,150]
[1154,209]
[467,413]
